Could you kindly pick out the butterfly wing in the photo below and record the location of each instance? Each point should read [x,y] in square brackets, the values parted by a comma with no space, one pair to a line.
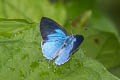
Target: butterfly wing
[78,39]
[66,51]
[53,36]
[49,29]
[50,48]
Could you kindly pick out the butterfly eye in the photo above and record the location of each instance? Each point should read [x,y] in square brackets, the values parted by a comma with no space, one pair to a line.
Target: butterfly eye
[64,45]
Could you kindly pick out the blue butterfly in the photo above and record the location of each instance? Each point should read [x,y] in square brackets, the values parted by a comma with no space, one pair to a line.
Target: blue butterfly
[56,44]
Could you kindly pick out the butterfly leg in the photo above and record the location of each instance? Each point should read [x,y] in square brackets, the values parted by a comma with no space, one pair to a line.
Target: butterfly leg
[48,64]
[42,60]
[54,67]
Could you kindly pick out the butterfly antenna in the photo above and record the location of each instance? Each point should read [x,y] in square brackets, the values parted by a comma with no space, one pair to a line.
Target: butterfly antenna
[54,67]
[71,24]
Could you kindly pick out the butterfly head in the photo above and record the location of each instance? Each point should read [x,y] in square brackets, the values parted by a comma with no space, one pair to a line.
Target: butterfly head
[72,36]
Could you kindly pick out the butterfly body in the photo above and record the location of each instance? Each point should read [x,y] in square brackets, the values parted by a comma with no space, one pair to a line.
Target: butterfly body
[56,43]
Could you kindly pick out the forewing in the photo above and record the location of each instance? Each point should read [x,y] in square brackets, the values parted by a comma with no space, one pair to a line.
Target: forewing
[49,29]
[66,51]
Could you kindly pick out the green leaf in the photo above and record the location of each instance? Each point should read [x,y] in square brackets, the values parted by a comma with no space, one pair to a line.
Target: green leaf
[9,27]
[31,10]
[21,59]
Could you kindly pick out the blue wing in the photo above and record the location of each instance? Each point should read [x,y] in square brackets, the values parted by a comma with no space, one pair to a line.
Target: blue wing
[53,36]
[66,51]
[51,48]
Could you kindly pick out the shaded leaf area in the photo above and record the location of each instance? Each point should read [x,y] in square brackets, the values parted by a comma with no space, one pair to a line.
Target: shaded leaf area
[21,59]
[116,70]
[101,37]
[104,47]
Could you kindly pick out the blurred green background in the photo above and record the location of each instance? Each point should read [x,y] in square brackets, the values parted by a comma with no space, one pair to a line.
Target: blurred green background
[97,20]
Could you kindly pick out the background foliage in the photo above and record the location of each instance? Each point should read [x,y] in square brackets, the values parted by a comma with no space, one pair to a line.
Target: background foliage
[20,51]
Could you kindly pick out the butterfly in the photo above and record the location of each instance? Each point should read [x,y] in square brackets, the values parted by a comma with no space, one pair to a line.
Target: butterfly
[56,44]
